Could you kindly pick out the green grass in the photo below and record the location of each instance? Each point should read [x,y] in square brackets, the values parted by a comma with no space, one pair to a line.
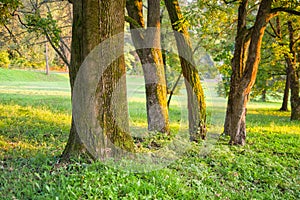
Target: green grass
[34,126]
[29,76]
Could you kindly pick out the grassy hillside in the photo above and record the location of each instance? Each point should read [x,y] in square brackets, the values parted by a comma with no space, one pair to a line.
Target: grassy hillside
[7,75]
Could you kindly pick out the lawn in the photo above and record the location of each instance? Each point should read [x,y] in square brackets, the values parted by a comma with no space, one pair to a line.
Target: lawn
[35,120]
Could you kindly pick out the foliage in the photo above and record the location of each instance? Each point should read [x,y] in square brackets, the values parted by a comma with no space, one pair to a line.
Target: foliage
[30,26]
[7,8]
[133,64]
[4,59]
[34,129]
[44,26]
[217,32]
[224,84]
[173,70]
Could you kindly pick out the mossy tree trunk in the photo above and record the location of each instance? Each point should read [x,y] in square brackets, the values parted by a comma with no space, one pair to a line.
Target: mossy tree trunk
[291,60]
[152,61]
[74,145]
[244,69]
[93,22]
[196,101]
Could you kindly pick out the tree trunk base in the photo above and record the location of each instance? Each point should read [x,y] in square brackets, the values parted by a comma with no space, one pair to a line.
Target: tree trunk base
[74,148]
[283,109]
[295,115]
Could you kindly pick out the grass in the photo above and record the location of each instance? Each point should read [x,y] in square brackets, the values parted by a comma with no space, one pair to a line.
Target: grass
[34,126]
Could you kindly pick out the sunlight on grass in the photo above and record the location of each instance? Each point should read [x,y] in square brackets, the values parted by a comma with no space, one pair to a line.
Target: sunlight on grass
[34,130]
[28,130]
[34,92]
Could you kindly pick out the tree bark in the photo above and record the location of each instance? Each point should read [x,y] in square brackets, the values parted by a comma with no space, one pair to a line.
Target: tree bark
[74,145]
[264,95]
[244,69]
[291,60]
[47,58]
[152,62]
[196,101]
[93,22]
[285,99]
[284,106]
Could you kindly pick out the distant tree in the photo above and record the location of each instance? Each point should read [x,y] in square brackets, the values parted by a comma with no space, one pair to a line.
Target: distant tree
[89,16]
[45,21]
[51,20]
[7,10]
[278,34]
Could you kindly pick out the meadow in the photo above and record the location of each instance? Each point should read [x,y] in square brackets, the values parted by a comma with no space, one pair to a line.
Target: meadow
[35,114]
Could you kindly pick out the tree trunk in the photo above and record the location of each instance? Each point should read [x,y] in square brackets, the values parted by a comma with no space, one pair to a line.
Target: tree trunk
[292,65]
[164,52]
[244,69]
[147,44]
[264,95]
[295,100]
[196,101]
[74,145]
[284,106]
[88,17]
[47,58]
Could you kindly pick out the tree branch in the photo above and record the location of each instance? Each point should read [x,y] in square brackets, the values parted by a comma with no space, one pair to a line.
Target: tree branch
[173,89]
[229,2]
[65,45]
[63,57]
[297,39]
[287,10]
[132,22]
[20,20]
[272,35]
[14,39]
[274,31]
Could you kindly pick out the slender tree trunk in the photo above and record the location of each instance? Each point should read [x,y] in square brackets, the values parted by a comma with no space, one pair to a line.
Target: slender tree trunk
[244,69]
[164,52]
[292,65]
[47,58]
[152,61]
[264,95]
[196,101]
[93,22]
[284,106]
[173,89]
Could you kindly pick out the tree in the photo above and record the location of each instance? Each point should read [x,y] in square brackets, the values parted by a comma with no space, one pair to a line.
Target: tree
[46,21]
[245,63]
[280,49]
[8,7]
[40,20]
[196,101]
[293,66]
[278,33]
[244,68]
[94,22]
[152,61]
